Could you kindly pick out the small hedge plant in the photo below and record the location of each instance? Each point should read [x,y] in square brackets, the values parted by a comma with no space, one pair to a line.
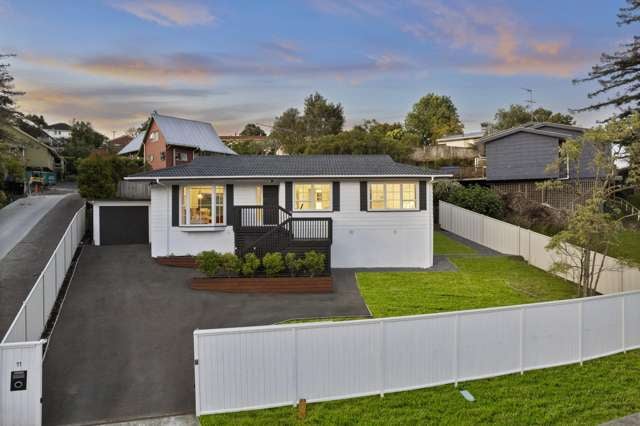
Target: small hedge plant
[314,262]
[230,264]
[273,264]
[209,263]
[294,264]
[250,265]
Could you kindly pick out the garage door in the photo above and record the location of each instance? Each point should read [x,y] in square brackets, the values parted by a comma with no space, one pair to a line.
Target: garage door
[124,225]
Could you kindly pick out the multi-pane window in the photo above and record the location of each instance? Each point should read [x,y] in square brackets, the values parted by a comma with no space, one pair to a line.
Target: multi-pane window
[182,156]
[202,205]
[393,196]
[154,136]
[312,196]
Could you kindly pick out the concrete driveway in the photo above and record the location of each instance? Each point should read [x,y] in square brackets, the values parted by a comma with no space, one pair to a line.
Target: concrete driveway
[123,345]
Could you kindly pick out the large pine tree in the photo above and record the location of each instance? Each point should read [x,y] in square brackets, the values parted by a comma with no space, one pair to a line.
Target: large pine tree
[618,74]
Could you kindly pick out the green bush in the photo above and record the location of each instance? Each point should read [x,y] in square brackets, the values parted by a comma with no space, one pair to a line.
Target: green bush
[3,199]
[98,175]
[314,262]
[294,264]
[209,262]
[230,264]
[273,264]
[478,199]
[442,189]
[250,265]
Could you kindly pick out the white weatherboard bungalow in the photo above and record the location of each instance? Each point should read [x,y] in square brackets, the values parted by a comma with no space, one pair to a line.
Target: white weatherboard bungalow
[362,210]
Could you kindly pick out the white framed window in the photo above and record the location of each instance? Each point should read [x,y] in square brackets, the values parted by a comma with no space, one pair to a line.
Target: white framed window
[312,196]
[182,156]
[151,158]
[154,136]
[393,196]
[202,205]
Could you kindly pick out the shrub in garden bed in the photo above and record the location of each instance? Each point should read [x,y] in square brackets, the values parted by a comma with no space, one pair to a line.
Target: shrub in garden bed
[273,264]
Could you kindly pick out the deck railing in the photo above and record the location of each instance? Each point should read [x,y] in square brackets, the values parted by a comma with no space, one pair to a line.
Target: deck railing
[259,216]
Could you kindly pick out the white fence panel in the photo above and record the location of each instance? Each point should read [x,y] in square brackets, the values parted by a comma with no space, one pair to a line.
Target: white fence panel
[60,271]
[544,343]
[35,312]
[499,237]
[18,329]
[632,321]
[21,407]
[602,326]
[419,351]
[524,239]
[50,288]
[489,343]
[339,362]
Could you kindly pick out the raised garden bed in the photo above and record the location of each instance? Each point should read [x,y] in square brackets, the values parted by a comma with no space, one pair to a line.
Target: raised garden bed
[322,284]
[179,261]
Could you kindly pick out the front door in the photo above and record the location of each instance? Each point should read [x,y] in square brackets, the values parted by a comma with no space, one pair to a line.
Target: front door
[270,202]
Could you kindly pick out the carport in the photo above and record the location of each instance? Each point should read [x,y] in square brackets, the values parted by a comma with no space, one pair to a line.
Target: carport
[120,222]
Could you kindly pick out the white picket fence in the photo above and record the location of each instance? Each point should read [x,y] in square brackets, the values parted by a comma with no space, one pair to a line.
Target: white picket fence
[21,349]
[511,239]
[260,367]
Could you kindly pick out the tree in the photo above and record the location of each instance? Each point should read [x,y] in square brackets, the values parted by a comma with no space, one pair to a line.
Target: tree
[98,175]
[433,117]
[7,92]
[38,120]
[254,148]
[252,129]
[322,117]
[83,141]
[593,227]
[517,115]
[619,72]
[288,131]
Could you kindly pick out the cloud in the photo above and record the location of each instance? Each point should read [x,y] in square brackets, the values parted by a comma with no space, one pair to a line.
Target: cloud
[167,12]
[286,50]
[352,8]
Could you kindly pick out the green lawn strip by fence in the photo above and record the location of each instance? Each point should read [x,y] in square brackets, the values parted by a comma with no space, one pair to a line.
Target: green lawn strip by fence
[442,244]
[601,390]
[480,282]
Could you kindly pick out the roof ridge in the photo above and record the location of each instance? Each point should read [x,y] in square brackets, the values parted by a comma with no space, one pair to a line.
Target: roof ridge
[157,114]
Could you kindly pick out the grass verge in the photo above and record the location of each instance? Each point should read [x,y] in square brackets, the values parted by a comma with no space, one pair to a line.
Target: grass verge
[442,244]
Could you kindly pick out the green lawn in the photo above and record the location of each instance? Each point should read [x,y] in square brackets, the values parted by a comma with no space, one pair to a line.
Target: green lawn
[445,245]
[628,245]
[600,390]
[480,282]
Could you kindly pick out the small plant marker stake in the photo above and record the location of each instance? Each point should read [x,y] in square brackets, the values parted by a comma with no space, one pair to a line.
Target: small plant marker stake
[302,409]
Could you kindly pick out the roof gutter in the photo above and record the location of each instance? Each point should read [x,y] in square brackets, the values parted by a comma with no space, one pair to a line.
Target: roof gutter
[158,178]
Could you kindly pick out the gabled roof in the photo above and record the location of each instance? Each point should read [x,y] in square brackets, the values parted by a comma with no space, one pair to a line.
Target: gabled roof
[120,142]
[514,130]
[190,133]
[286,166]
[470,135]
[133,146]
[537,125]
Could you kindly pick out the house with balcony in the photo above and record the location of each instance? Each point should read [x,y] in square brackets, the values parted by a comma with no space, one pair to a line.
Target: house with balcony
[360,210]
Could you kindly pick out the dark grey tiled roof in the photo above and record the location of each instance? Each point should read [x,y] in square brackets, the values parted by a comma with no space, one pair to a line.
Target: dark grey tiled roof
[285,166]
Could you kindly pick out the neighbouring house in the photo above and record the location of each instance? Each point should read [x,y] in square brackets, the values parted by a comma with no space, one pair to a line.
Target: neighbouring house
[35,155]
[171,141]
[361,210]
[117,144]
[134,148]
[59,131]
[466,140]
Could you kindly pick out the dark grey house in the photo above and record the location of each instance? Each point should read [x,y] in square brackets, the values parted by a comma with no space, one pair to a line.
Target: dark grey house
[523,153]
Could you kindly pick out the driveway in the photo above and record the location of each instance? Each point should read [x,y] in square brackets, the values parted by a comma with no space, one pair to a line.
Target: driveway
[31,230]
[123,345]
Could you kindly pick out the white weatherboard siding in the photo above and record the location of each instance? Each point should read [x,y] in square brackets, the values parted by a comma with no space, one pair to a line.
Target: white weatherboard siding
[360,239]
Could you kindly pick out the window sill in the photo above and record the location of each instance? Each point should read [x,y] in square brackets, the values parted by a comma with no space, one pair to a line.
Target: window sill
[213,228]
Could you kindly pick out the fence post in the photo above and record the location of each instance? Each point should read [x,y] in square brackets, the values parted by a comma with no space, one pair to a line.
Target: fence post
[624,343]
[295,366]
[196,362]
[521,341]
[455,350]
[580,328]
[381,338]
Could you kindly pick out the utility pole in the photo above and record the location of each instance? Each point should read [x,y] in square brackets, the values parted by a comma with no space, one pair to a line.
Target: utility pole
[529,101]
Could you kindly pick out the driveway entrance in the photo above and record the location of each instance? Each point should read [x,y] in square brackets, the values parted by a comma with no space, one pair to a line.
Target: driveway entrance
[123,345]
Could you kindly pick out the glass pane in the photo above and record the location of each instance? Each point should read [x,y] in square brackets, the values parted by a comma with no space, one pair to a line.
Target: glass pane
[303,197]
[200,205]
[321,196]
[377,196]
[183,212]
[219,205]
[393,195]
[408,195]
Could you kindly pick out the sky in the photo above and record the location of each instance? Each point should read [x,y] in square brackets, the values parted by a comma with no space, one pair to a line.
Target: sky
[113,62]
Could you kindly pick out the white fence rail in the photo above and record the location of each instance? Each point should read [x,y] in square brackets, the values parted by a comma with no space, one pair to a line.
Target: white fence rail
[259,367]
[511,239]
[30,321]
[21,350]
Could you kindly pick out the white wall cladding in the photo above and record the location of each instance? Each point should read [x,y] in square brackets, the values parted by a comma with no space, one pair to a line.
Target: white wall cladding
[259,367]
[360,239]
[510,239]
[21,348]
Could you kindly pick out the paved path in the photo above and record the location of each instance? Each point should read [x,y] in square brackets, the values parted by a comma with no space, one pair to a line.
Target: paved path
[19,217]
[123,345]
[632,420]
[24,262]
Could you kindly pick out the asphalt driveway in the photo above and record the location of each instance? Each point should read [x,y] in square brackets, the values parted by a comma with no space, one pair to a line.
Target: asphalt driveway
[123,345]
